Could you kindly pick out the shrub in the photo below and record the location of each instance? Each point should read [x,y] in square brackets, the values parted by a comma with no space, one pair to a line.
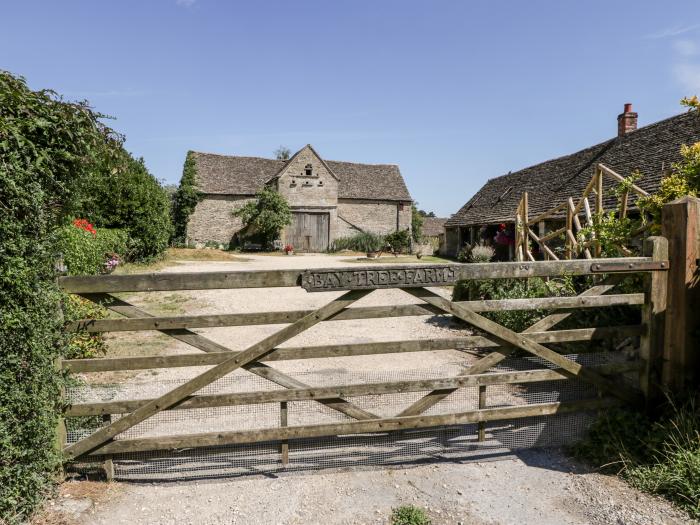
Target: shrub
[361,242]
[409,515]
[85,253]
[130,198]
[83,344]
[661,457]
[266,216]
[400,241]
[481,254]
[516,320]
[48,149]
[185,199]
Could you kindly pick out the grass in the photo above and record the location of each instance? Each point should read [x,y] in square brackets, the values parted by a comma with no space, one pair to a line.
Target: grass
[426,259]
[659,456]
[409,515]
[174,256]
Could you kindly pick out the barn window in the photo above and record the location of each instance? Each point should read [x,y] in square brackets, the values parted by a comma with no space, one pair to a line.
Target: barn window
[308,170]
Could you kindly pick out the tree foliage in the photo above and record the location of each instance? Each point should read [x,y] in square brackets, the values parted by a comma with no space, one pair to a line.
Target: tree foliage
[266,216]
[49,150]
[283,153]
[416,222]
[185,199]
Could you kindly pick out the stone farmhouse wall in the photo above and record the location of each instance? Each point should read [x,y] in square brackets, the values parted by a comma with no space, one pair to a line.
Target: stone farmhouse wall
[213,220]
[372,216]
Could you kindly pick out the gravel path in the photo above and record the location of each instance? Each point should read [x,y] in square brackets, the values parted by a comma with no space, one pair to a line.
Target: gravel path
[532,486]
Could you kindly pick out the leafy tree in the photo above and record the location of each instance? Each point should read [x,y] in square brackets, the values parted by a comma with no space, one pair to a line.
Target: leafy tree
[424,213]
[185,199]
[416,222]
[266,216]
[283,153]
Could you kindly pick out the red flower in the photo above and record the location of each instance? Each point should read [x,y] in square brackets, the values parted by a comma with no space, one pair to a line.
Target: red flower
[83,224]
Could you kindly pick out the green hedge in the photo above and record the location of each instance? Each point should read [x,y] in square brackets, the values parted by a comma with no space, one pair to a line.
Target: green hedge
[85,253]
[48,149]
[361,242]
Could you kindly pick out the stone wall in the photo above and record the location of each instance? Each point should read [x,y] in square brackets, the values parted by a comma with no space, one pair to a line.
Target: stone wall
[371,216]
[213,220]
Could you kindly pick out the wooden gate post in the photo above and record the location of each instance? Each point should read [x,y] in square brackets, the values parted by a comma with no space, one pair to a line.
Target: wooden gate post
[681,226]
[651,345]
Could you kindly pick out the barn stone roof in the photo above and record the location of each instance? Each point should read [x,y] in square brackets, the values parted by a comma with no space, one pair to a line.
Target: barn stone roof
[433,226]
[234,175]
[650,149]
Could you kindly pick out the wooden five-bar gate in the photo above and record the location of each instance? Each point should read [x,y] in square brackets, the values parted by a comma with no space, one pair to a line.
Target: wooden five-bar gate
[495,341]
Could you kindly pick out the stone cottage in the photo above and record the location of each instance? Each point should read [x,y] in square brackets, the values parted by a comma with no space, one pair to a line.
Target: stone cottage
[650,149]
[329,199]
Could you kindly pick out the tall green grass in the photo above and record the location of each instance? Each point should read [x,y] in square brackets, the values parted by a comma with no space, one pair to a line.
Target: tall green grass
[660,457]
[362,242]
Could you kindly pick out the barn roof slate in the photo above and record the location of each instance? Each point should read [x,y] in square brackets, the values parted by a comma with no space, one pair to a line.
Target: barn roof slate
[650,149]
[433,226]
[234,175]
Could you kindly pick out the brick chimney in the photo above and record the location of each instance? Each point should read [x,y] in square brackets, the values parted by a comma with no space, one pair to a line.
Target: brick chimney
[626,121]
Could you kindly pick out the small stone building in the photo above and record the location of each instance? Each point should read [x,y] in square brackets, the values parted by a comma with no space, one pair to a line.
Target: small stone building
[329,199]
[650,149]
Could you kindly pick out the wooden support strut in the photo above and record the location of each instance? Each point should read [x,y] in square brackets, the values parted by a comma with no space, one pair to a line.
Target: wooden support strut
[176,395]
[207,345]
[493,359]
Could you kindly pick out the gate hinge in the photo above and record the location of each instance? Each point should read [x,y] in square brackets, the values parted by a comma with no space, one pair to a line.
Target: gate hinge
[629,267]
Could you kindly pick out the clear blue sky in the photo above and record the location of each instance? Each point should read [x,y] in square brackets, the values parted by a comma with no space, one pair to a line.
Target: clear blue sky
[455,92]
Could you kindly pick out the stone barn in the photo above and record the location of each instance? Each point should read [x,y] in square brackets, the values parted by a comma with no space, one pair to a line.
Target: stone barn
[329,199]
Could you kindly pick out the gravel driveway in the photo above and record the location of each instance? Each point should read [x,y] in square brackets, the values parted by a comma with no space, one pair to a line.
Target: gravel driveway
[532,486]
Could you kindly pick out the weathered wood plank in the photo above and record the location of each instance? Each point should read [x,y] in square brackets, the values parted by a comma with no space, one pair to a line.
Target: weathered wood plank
[369,312]
[340,391]
[345,350]
[275,278]
[248,356]
[212,439]
[523,342]
[651,347]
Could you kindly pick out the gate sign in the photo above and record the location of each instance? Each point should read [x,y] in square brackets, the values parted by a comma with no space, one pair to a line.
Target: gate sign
[370,278]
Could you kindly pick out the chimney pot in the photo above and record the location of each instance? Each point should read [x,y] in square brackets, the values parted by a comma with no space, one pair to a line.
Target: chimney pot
[626,121]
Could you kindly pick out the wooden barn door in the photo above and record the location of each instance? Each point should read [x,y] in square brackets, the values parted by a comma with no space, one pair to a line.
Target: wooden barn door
[309,232]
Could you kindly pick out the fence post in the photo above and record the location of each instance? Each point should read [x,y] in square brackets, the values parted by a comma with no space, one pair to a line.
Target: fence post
[681,226]
[61,432]
[653,317]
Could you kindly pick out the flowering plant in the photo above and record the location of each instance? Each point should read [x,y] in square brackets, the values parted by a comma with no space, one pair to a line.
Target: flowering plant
[288,248]
[83,224]
[112,262]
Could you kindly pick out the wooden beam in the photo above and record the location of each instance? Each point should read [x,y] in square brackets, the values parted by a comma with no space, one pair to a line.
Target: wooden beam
[651,347]
[213,439]
[619,178]
[547,214]
[544,246]
[176,395]
[284,317]
[341,391]
[347,350]
[87,285]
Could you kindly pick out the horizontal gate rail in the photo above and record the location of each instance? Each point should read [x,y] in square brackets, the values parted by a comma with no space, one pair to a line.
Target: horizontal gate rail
[354,349]
[368,312]
[275,278]
[212,439]
[316,393]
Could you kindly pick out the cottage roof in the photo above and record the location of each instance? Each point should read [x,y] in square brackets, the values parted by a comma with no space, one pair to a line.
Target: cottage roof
[650,149]
[234,175]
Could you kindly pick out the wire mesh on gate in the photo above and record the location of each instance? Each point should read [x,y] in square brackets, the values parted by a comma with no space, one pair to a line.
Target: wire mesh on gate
[359,450]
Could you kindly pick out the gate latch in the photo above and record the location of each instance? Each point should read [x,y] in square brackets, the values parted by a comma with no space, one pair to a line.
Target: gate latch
[619,267]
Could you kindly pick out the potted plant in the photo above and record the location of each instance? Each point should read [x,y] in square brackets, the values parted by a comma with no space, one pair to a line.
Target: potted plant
[289,249]
[371,243]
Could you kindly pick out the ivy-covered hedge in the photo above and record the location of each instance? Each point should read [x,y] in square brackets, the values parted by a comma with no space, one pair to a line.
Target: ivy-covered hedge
[48,148]
[185,199]
[57,161]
